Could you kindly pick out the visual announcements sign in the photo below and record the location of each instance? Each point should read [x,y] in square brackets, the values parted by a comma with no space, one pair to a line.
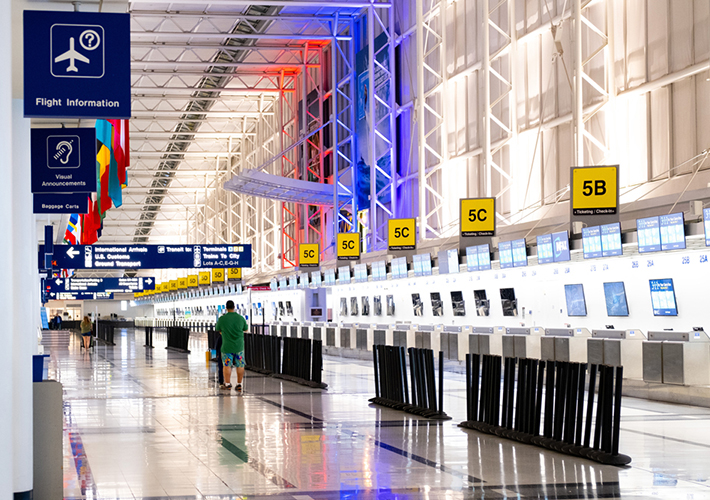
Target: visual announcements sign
[149,256]
[595,195]
[63,160]
[76,64]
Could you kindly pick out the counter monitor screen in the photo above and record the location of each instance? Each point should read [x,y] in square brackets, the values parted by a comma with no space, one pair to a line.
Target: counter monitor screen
[520,254]
[239,288]
[706,225]
[648,232]
[329,277]
[458,304]
[471,259]
[576,305]
[316,278]
[273,285]
[611,239]
[289,309]
[592,242]
[663,297]
[303,280]
[377,305]
[484,257]
[399,268]
[292,282]
[508,302]
[360,273]
[544,249]
[422,265]
[353,306]
[560,246]
[505,254]
[343,306]
[483,305]
[365,305]
[417,305]
[449,261]
[344,275]
[282,284]
[672,231]
[379,270]
[437,305]
[615,296]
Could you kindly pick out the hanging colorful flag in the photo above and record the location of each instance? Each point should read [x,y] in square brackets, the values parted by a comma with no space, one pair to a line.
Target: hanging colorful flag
[73,233]
[104,136]
[121,149]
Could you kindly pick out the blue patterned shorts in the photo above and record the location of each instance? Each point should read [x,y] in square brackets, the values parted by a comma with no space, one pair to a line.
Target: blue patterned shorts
[233,359]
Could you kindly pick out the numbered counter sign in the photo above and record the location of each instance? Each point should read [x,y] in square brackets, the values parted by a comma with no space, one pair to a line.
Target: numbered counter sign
[402,234]
[348,246]
[173,285]
[182,283]
[308,255]
[595,190]
[192,281]
[217,275]
[234,273]
[478,216]
[204,278]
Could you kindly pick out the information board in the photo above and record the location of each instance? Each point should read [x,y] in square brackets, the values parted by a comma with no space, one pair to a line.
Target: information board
[478,216]
[520,254]
[663,297]
[79,296]
[348,246]
[505,254]
[52,203]
[76,64]
[672,231]
[648,232]
[402,234]
[308,255]
[150,256]
[111,285]
[592,242]
[63,160]
[594,190]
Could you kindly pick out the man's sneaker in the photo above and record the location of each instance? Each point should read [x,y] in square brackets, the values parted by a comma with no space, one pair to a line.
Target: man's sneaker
[238,388]
[226,387]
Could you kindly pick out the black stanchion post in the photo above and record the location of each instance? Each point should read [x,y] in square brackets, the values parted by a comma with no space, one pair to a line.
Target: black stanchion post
[600,408]
[580,403]
[403,362]
[441,383]
[617,410]
[475,379]
[469,388]
[590,405]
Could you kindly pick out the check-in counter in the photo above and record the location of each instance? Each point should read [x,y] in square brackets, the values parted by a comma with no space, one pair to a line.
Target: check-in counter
[305,330]
[522,342]
[617,348]
[364,336]
[564,344]
[382,334]
[346,336]
[403,335]
[330,334]
[427,337]
[294,329]
[679,358]
[486,340]
[454,341]
[318,331]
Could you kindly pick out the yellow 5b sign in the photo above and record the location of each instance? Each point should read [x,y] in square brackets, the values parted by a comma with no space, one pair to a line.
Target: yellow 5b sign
[348,246]
[192,281]
[478,217]
[217,275]
[595,190]
[402,234]
[204,278]
[308,255]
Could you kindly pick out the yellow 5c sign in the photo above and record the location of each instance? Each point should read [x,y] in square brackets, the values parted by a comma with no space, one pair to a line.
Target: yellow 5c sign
[308,255]
[402,234]
[348,246]
[594,190]
[478,216]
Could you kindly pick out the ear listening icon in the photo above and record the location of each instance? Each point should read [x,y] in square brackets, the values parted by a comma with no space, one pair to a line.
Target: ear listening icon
[63,148]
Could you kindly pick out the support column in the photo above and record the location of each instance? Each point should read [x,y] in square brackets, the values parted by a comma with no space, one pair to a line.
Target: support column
[24,306]
[578,94]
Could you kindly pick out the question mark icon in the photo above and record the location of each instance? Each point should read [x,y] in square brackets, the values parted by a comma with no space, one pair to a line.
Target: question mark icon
[89,39]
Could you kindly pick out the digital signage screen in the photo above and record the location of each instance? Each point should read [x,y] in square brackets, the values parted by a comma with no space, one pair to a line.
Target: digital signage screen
[471,259]
[344,275]
[576,305]
[672,231]
[648,232]
[663,297]
[560,246]
[399,267]
[316,278]
[282,284]
[591,242]
[611,239]
[505,254]
[379,270]
[545,254]
[448,261]
[360,273]
[615,296]
[484,257]
[520,254]
[329,277]
[422,265]
[706,225]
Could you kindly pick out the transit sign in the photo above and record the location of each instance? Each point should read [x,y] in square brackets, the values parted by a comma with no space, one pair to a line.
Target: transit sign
[149,256]
[109,285]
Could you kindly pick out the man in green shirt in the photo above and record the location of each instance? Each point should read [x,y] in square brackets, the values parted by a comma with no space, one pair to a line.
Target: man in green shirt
[232,327]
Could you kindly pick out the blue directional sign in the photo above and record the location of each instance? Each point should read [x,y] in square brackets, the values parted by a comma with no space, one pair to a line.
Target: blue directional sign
[109,285]
[149,256]
[77,64]
[74,203]
[78,296]
[63,160]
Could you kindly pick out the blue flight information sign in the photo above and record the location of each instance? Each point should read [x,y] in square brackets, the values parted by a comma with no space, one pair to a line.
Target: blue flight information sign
[591,242]
[72,203]
[76,64]
[649,234]
[79,296]
[63,160]
[611,240]
[672,231]
[505,254]
[663,297]
[113,285]
[149,256]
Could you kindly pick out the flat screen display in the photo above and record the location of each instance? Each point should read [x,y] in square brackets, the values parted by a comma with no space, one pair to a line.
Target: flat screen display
[360,273]
[576,305]
[592,242]
[706,225]
[422,265]
[615,296]
[458,304]
[377,305]
[282,284]
[303,280]
[484,257]
[417,305]
[289,309]
[663,297]
[316,278]
[560,246]
[471,259]
[449,261]
[329,277]
[239,288]
[292,282]
[508,302]
[505,254]
[399,268]
[544,249]
[520,254]
[648,232]
[483,305]
[672,231]
[437,305]
[379,270]
[273,285]
[344,275]
[611,239]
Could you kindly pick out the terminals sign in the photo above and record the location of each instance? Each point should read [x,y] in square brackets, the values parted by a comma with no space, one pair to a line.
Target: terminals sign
[594,190]
[348,246]
[308,255]
[478,216]
[402,234]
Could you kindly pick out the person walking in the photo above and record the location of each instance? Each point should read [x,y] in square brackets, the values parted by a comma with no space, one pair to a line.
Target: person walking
[231,326]
[86,328]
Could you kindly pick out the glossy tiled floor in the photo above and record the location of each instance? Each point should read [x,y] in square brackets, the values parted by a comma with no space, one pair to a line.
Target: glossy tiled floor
[151,424]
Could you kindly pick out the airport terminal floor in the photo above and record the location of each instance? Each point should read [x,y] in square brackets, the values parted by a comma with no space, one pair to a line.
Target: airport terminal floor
[144,423]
